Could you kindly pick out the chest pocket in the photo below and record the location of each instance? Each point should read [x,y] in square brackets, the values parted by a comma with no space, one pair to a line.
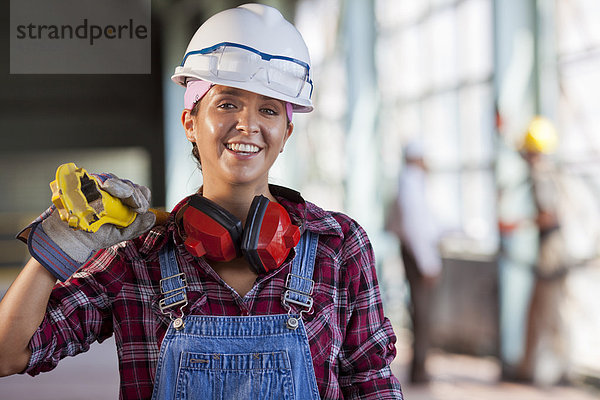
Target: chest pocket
[235,376]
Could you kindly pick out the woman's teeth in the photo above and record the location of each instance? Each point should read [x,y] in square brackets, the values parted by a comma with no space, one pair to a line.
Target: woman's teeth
[242,148]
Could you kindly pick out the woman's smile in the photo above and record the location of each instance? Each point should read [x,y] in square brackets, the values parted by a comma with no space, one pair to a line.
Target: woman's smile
[243,149]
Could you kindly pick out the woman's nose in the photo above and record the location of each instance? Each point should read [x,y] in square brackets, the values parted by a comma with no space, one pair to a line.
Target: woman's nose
[248,121]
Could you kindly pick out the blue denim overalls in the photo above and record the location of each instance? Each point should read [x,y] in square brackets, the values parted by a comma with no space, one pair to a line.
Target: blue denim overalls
[254,357]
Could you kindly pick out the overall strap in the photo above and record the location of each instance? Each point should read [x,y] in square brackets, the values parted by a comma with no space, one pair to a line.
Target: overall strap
[299,282]
[173,282]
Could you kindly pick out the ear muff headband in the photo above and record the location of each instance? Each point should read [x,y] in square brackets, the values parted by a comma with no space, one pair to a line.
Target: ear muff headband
[252,230]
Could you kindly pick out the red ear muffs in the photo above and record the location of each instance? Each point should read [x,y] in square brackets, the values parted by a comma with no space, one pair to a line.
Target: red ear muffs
[265,241]
[211,230]
[268,235]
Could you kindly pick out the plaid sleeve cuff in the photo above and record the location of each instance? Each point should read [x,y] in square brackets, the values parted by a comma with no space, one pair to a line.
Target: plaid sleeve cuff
[48,253]
[37,354]
[367,372]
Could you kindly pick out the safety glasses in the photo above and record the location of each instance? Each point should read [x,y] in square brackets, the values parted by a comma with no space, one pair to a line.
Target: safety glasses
[239,63]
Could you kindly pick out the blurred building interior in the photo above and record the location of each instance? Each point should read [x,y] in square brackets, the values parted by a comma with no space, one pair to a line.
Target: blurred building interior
[463,76]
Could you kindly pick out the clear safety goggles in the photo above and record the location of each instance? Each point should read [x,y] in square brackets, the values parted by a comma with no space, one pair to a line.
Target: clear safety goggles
[239,63]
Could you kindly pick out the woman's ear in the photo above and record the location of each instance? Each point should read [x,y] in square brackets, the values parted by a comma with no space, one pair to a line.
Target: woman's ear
[288,133]
[187,120]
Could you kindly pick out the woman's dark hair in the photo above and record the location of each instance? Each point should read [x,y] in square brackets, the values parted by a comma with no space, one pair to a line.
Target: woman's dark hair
[195,152]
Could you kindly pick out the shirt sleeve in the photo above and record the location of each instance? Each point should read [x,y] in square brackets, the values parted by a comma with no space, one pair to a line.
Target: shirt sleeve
[369,344]
[78,313]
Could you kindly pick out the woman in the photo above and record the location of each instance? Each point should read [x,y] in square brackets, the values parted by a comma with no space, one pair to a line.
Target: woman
[247,291]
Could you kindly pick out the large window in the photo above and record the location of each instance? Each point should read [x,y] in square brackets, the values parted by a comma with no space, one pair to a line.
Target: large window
[435,66]
[578,34]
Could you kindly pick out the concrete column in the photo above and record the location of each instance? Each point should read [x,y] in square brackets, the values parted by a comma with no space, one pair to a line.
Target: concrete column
[362,161]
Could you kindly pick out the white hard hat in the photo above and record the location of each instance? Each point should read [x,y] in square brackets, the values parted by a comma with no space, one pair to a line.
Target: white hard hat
[414,149]
[251,47]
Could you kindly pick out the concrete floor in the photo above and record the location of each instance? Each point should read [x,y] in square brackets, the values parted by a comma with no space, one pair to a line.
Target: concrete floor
[457,377]
[90,376]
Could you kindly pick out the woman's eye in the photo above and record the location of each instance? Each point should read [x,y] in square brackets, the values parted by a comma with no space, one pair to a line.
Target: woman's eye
[226,106]
[269,111]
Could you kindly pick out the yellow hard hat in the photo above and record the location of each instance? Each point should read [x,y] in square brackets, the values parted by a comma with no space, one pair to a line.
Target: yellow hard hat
[541,136]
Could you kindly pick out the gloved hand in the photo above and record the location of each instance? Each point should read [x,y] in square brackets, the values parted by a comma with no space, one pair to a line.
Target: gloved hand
[135,196]
[62,250]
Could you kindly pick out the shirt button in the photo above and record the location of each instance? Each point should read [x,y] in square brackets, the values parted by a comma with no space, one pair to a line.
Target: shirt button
[245,313]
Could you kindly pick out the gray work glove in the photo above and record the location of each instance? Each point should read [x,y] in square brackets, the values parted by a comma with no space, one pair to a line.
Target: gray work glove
[135,196]
[62,250]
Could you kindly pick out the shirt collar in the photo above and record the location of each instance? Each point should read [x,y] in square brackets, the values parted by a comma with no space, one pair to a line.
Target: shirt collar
[306,214]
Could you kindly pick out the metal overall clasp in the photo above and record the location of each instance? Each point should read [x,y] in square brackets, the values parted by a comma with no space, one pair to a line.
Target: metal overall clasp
[176,297]
[301,298]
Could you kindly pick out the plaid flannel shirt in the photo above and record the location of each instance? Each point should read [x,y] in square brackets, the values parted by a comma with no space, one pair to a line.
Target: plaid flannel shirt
[351,342]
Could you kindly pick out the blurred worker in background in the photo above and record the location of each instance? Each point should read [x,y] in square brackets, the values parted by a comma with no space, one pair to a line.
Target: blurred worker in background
[545,355]
[419,234]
